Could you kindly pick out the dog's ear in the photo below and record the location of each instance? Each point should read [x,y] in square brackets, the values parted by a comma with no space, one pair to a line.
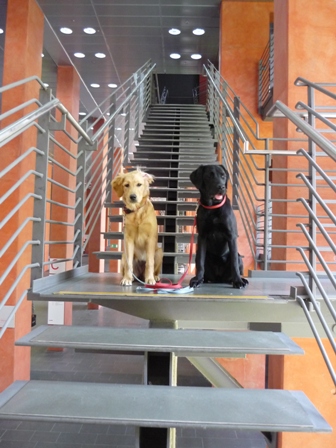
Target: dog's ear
[117,184]
[148,177]
[226,174]
[196,177]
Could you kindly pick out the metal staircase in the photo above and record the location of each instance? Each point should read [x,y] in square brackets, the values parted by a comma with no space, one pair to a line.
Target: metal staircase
[213,321]
[175,140]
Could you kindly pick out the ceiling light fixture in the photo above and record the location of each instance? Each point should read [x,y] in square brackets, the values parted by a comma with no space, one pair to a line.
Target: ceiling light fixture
[79,55]
[196,56]
[1,31]
[46,84]
[175,56]
[94,85]
[198,31]
[66,30]
[112,85]
[42,55]
[89,30]
[100,55]
[174,31]
[82,113]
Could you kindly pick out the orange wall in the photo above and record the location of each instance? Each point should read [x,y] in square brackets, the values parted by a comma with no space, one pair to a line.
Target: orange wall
[24,37]
[304,45]
[309,374]
[244,34]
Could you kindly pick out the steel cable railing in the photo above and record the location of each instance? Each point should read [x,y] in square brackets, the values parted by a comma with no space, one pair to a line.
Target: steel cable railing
[66,190]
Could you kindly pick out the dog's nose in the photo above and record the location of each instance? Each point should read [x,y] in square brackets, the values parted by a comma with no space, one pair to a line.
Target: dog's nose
[133,197]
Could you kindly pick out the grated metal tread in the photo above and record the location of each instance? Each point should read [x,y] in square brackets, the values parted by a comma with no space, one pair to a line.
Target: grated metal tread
[181,220]
[185,342]
[180,257]
[160,204]
[179,237]
[161,406]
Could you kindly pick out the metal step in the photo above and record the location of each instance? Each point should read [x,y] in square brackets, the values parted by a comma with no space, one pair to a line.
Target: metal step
[160,204]
[180,220]
[168,152]
[179,237]
[181,342]
[159,162]
[180,257]
[161,406]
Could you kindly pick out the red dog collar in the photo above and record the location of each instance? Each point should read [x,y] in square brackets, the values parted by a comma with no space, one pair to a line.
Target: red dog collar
[211,207]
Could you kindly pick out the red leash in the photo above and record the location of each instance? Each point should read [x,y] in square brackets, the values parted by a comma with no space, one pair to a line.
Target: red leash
[178,285]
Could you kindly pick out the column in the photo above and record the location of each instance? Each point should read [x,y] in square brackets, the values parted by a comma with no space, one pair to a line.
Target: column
[304,45]
[24,31]
[244,34]
[68,92]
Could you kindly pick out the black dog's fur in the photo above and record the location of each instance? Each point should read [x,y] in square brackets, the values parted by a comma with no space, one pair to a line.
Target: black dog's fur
[217,258]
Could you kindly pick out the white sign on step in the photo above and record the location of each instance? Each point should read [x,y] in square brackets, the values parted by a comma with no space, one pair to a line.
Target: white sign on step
[56,313]
[56,309]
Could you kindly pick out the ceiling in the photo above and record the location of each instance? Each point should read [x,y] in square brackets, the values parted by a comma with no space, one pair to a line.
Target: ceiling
[129,33]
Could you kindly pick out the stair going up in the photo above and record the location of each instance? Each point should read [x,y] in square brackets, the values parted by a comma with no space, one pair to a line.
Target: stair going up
[176,139]
[83,402]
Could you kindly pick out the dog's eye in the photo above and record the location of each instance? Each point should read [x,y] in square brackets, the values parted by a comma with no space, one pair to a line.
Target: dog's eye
[139,185]
[126,185]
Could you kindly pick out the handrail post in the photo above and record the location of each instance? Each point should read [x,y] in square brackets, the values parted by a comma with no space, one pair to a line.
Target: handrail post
[127,129]
[111,145]
[312,198]
[80,196]
[267,214]
[40,205]
[235,175]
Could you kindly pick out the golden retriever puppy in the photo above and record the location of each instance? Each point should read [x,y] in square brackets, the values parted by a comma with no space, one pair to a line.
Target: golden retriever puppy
[141,256]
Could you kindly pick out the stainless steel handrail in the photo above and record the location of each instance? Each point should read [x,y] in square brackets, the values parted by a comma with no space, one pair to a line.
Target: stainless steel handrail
[133,95]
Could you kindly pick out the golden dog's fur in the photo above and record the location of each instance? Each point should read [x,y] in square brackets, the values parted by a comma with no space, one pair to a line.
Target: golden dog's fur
[141,251]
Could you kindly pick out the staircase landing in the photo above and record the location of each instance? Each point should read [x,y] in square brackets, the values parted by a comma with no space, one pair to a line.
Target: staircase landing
[210,306]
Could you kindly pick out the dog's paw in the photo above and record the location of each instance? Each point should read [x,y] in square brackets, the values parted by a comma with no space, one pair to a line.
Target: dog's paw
[195,282]
[150,281]
[157,278]
[126,281]
[240,283]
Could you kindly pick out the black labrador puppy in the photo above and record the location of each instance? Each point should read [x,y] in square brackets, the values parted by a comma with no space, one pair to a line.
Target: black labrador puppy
[217,258]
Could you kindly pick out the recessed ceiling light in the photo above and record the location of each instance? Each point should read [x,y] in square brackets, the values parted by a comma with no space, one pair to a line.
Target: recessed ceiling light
[198,31]
[175,56]
[112,85]
[82,113]
[46,84]
[42,55]
[196,56]
[174,31]
[89,30]
[66,30]
[118,129]
[79,55]
[100,55]
[95,85]
[1,31]
[108,114]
